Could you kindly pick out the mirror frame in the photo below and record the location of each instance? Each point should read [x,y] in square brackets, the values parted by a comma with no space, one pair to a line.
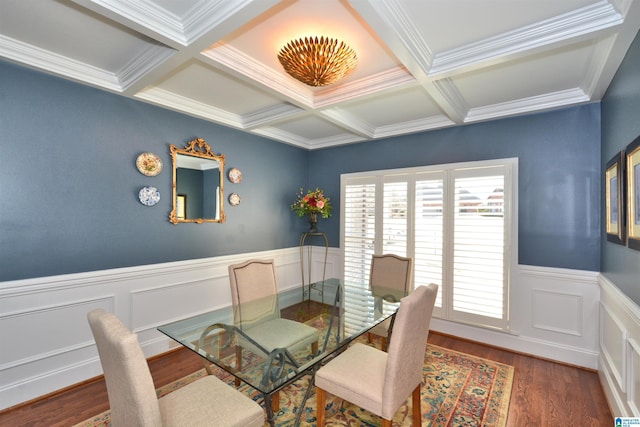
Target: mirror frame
[196,148]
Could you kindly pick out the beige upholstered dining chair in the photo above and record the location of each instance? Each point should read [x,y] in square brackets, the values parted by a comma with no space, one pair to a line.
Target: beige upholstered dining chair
[254,295]
[389,272]
[380,382]
[132,397]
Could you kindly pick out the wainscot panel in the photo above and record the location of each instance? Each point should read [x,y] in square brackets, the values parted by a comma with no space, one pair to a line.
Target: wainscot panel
[554,315]
[619,361]
[47,343]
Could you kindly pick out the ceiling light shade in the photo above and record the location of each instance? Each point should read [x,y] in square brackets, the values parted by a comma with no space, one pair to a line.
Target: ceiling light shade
[317,61]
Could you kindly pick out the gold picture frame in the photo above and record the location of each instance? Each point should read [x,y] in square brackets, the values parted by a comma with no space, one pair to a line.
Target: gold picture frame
[614,199]
[633,194]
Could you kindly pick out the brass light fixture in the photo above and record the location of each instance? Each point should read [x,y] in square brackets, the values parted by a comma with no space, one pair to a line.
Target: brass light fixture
[317,61]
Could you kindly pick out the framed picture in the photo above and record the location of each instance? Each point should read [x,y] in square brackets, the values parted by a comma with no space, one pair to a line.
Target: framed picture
[633,194]
[614,199]
[181,206]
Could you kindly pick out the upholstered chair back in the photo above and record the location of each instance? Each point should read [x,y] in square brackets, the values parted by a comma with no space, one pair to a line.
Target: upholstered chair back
[254,292]
[132,395]
[391,272]
[407,348]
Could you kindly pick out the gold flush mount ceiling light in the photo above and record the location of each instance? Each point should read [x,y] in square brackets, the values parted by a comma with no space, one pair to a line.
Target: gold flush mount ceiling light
[317,61]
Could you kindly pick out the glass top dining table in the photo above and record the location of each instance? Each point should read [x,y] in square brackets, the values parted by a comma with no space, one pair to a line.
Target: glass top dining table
[352,311]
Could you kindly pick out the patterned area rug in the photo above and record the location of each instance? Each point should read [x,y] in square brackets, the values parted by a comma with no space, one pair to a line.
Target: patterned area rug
[458,390]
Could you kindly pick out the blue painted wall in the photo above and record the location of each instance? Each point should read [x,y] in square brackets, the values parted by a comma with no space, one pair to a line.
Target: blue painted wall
[559,176]
[620,126]
[69,184]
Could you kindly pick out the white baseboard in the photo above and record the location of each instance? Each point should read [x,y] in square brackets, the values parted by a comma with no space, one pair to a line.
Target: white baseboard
[532,346]
[47,343]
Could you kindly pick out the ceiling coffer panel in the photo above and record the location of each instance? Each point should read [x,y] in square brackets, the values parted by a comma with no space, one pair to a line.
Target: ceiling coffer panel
[420,65]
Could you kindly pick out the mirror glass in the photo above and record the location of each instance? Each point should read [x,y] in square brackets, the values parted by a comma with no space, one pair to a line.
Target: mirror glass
[197,183]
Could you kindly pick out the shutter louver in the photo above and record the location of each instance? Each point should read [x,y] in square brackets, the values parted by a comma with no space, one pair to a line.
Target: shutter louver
[428,255]
[359,231]
[478,262]
[394,223]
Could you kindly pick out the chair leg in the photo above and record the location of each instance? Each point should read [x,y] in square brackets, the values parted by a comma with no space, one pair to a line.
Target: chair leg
[417,410]
[275,402]
[321,398]
[314,347]
[207,366]
[386,423]
[238,363]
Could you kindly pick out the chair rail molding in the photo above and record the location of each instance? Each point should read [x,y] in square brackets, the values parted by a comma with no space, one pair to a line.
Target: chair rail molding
[61,351]
[51,311]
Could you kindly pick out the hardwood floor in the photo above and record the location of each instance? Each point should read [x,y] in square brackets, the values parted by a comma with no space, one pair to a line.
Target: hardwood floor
[544,393]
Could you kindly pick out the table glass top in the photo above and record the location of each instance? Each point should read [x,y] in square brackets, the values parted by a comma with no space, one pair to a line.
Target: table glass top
[354,309]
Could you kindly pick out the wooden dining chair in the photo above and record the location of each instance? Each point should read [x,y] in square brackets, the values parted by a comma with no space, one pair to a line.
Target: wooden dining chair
[132,396]
[389,272]
[254,295]
[380,382]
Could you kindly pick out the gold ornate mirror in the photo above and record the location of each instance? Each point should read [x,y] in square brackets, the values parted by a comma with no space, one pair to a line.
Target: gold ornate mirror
[197,183]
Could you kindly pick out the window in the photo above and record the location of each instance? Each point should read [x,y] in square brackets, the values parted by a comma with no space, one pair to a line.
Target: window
[456,221]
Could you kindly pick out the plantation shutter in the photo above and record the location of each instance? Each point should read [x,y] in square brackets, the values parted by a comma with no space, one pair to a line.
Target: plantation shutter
[454,220]
[394,216]
[359,231]
[429,232]
[479,246]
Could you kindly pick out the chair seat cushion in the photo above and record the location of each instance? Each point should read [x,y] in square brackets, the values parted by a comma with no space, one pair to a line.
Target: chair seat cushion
[209,402]
[357,375]
[281,333]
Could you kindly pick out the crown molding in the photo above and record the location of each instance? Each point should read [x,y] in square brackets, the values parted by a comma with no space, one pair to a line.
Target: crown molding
[446,94]
[166,99]
[370,85]
[568,26]
[414,126]
[144,13]
[235,60]
[142,64]
[347,121]
[271,115]
[528,105]
[396,27]
[44,60]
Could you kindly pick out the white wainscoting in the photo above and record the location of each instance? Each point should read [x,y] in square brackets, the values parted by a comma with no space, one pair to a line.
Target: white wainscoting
[47,344]
[619,362]
[554,315]
[45,340]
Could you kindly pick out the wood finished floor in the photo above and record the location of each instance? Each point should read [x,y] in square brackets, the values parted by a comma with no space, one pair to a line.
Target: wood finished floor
[544,393]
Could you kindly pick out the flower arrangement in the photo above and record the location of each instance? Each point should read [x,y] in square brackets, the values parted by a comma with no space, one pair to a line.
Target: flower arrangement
[312,202]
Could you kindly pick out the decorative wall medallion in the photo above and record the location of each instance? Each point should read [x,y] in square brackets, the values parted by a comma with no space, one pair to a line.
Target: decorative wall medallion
[235,175]
[149,164]
[234,199]
[149,196]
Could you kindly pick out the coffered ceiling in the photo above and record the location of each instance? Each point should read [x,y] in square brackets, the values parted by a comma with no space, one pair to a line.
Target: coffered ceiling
[422,64]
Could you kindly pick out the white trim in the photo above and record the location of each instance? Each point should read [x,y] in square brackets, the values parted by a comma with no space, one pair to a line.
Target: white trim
[52,311]
[619,361]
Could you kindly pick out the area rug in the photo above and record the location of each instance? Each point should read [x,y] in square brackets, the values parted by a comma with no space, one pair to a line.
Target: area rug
[458,390]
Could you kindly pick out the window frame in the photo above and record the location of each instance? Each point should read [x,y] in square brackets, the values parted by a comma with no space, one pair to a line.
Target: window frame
[448,172]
